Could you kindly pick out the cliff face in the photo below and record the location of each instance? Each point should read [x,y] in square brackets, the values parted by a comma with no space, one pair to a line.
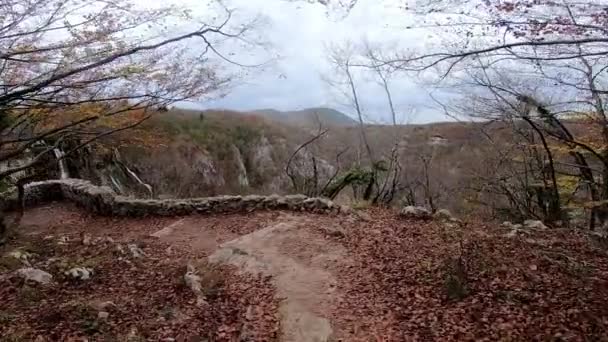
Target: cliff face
[184,168]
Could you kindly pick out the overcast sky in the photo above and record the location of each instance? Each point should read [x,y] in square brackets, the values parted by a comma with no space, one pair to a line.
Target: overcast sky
[300,33]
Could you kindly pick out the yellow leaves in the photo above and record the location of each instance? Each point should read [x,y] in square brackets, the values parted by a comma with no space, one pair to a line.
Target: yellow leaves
[94,117]
[567,184]
[517,159]
[593,204]
[56,118]
[582,117]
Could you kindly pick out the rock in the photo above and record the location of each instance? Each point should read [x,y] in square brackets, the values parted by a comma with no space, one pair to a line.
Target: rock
[516,231]
[86,239]
[512,233]
[334,231]
[133,335]
[103,200]
[103,315]
[193,281]
[35,275]
[295,200]
[249,313]
[102,305]
[450,224]
[535,224]
[416,213]
[102,239]
[79,273]
[120,250]
[344,209]
[443,215]
[511,226]
[48,262]
[326,203]
[21,256]
[136,252]
[362,216]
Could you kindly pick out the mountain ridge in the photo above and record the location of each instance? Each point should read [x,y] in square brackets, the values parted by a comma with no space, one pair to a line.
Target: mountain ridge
[307,117]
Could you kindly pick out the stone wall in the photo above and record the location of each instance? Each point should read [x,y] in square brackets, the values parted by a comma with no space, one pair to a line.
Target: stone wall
[104,201]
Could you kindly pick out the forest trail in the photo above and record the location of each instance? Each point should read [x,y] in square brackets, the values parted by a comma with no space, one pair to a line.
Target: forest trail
[287,276]
[300,262]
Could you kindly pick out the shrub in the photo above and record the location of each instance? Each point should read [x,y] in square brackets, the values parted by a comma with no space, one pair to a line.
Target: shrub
[456,279]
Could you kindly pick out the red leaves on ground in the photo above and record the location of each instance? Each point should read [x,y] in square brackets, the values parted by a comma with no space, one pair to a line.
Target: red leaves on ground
[535,286]
[149,300]
[541,286]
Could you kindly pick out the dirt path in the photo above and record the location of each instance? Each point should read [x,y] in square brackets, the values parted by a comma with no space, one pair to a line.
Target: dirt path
[301,263]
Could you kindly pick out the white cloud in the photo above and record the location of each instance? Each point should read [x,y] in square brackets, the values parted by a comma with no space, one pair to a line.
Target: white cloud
[299,33]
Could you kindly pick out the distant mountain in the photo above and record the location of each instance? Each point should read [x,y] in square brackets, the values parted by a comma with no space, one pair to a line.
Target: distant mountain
[310,117]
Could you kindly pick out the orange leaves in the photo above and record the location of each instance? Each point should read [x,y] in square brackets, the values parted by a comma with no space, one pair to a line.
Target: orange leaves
[97,118]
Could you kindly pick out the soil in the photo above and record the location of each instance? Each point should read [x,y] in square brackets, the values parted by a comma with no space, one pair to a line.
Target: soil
[279,276]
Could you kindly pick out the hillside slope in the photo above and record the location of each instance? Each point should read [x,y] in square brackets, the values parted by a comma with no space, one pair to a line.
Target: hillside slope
[193,154]
[184,153]
[310,117]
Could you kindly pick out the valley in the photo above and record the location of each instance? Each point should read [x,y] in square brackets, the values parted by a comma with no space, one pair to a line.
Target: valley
[197,154]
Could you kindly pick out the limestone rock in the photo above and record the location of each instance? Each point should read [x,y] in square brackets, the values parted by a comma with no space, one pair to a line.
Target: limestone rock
[512,233]
[362,216]
[79,273]
[103,200]
[416,213]
[120,250]
[22,256]
[511,225]
[193,281]
[86,239]
[534,224]
[35,275]
[334,231]
[444,215]
[101,305]
[136,251]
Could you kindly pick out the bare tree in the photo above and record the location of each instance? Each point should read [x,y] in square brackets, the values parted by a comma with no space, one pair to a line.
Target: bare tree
[342,59]
[308,185]
[380,177]
[70,69]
